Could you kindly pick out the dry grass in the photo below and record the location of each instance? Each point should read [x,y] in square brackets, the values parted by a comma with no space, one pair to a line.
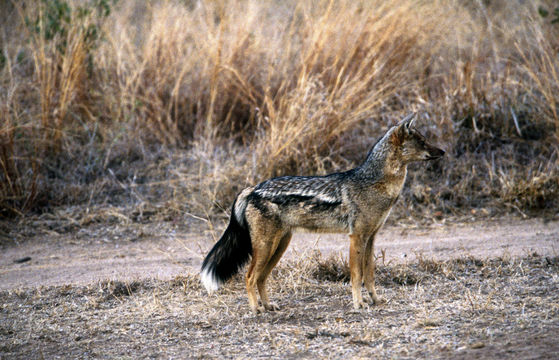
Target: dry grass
[459,308]
[173,107]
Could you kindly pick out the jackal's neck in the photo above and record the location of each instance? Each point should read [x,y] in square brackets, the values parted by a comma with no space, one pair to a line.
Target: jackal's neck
[383,160]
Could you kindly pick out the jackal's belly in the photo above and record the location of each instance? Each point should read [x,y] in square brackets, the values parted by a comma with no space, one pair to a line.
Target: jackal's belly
[316,221]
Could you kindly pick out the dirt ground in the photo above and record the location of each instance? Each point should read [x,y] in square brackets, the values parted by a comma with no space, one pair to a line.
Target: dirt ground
[159,251]
[484,289]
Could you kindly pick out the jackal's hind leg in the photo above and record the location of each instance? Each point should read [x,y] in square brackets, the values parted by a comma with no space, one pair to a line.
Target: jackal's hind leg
[261,282]
[266,237]
[356,269]
[369,268]
[251,282]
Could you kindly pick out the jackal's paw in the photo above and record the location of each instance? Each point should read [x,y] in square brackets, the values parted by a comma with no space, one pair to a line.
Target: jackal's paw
[357,305]
[376,300]
[257,309]
[271,306]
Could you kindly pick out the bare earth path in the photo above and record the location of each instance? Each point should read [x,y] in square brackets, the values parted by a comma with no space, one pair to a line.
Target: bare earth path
[162,253]
[57,299]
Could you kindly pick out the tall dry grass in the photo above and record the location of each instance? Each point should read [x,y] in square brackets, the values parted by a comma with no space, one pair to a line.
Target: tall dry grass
[175,106]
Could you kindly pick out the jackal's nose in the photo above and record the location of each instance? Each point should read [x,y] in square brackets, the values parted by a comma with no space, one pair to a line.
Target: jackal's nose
[436,154]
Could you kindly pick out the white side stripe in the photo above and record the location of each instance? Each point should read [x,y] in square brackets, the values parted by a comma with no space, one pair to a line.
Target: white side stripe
[319,196]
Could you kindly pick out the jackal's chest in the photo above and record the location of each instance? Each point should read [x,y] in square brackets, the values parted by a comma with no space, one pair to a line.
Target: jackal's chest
[390,186]
[383,193]
[374,203]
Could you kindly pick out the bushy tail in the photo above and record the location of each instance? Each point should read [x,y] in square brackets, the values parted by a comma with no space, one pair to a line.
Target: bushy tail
[231,252]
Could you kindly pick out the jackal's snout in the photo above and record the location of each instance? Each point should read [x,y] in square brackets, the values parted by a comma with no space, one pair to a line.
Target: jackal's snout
[435,153]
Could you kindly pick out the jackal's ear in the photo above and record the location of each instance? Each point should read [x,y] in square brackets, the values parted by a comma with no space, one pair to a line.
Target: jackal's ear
[406,124]
[411,123]
[408,121]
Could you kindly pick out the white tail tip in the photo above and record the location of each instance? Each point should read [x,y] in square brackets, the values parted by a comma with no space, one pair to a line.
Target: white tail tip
[209,280]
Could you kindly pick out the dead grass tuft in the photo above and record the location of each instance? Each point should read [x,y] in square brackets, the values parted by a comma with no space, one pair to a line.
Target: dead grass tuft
[118,289]
[334,268]
[174,107]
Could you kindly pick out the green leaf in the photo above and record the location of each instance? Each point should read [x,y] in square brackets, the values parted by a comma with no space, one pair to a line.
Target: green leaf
[2,60]
[543,12]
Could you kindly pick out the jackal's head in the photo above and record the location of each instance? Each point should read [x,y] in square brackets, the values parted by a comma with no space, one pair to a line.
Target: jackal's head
[413,146]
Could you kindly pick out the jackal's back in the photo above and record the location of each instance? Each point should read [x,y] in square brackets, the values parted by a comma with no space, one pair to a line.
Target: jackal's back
[316,203]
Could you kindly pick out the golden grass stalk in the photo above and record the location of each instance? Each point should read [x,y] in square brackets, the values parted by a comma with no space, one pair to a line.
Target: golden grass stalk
[261,88]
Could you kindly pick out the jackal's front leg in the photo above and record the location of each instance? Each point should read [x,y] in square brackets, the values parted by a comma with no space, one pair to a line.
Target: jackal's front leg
[355,266]
[369,268]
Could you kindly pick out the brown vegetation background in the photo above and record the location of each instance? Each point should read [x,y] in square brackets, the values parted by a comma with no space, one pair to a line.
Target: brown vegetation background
[131,111]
